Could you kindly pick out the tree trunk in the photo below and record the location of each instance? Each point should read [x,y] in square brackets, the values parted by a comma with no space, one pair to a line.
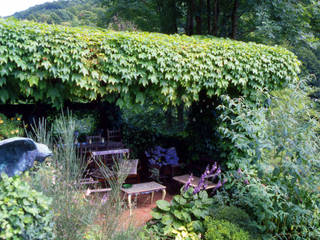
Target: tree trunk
[168,16]
[199,18]
[173,16]
[180,110]
[234,19]
[190,17]
[216,17]
[209,15]
[169,116]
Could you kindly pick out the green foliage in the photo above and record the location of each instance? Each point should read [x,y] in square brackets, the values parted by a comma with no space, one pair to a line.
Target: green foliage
[84,123]
[53,64]
[224,230]
[24,212]
[131,14]
[10,127]
[184,216]
[65,12]
[276,143]
[235,216]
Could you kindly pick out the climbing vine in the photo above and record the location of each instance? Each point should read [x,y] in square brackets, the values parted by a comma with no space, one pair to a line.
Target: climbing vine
[53,64]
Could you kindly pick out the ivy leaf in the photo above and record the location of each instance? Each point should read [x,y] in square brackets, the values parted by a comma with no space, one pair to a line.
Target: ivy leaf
[33,80]
[140,98]
[153,78]
[2,81]
[120,103]
[4,95]
[53,93]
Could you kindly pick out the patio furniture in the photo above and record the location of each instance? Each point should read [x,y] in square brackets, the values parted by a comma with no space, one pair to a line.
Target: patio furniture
[143,188]
[184,179]
[94,139]
[86,147]
[108,156]
[95,189]
[131,165]
[114,138]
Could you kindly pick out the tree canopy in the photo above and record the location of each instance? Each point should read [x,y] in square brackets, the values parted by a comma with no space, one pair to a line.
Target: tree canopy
[65,12]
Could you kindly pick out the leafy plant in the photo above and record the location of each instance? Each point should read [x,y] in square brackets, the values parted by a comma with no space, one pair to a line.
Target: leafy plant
[184,216]
[212,173]
[24,212]
[235,216]
[84,124]
[10,127]
[54,64]
[276,143]
[224,230]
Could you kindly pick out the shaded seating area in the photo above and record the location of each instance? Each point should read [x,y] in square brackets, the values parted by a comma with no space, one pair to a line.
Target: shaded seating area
[101,167]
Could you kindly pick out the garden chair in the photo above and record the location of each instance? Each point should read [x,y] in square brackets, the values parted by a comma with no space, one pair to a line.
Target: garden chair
[107,158]
[114,139]
[94,139]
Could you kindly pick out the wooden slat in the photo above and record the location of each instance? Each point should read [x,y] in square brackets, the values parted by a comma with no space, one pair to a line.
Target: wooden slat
[110,152]
[89,182]
[99,190]
[143,187]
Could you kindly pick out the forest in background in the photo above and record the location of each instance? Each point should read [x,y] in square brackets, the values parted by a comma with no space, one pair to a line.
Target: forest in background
[65,12]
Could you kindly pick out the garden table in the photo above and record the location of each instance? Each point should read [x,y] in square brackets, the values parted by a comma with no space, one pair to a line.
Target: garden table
[143,188]
[184,179]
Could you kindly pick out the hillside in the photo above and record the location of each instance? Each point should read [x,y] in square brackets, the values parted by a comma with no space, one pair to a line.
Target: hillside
[66,12]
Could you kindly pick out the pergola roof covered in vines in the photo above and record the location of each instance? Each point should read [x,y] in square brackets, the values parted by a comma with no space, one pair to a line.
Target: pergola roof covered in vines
[54,64]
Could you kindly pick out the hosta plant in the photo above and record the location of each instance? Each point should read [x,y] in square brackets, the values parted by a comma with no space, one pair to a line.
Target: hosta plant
[184,216]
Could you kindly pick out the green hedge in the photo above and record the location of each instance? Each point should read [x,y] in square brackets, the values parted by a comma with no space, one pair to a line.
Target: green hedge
[50,63]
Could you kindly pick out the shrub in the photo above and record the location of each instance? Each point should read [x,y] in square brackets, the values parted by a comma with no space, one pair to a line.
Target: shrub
[10,127]
[84,124]
[236,216]
[24,212]
[276,142]
[224,230]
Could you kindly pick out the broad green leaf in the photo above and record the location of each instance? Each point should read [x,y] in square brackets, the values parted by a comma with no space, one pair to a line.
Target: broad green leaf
[163,205]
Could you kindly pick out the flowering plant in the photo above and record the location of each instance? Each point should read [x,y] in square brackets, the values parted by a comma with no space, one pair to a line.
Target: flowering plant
[162,156]
[213,173]
[10,127]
